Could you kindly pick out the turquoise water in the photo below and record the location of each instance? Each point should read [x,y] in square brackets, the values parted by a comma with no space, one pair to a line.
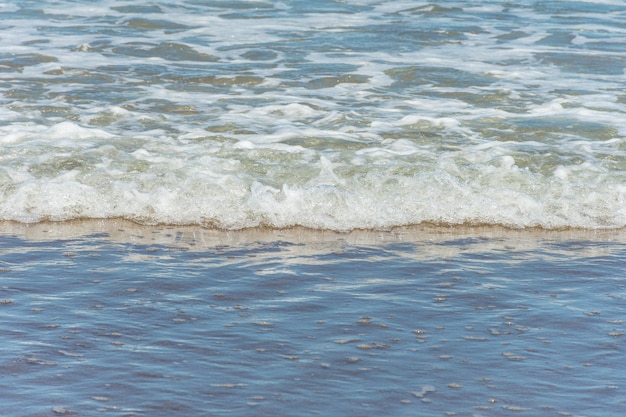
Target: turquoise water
[329,115]
[163,321]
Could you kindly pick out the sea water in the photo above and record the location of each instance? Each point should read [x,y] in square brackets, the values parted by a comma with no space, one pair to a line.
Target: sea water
[164,321]
[339,208]
[325,114]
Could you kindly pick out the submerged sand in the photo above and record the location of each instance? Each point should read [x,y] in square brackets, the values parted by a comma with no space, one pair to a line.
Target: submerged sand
[198,237]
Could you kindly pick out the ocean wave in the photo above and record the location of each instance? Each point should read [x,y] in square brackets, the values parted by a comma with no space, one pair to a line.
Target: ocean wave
[330,115]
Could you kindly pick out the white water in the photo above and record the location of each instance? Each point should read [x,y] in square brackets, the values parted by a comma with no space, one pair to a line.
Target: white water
[363,114]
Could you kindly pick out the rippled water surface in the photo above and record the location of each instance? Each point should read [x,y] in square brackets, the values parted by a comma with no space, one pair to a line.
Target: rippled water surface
[290,122]
[167,321]
[326,114]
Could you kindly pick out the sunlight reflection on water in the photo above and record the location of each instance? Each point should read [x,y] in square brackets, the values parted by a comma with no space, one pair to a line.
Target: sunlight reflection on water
[496,322]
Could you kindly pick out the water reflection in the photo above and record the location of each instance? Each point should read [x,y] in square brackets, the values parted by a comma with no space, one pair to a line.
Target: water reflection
[158,321]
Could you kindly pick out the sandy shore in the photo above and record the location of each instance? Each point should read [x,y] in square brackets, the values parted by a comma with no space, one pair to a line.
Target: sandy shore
[120,230]
[429,241]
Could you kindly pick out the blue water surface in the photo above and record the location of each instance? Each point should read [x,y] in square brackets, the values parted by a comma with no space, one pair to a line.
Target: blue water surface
[472,325]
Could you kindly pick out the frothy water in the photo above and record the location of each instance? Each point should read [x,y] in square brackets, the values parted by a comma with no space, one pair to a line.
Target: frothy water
[360,114]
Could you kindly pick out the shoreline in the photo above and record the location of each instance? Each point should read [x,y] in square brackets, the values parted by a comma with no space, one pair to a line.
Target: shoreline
[126,231]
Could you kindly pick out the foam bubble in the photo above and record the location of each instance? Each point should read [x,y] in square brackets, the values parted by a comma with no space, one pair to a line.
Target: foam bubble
[334,116]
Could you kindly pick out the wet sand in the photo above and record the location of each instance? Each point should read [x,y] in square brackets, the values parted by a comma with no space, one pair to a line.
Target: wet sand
[198,238]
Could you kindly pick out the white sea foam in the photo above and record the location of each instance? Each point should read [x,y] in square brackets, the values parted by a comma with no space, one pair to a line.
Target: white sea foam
[366,114]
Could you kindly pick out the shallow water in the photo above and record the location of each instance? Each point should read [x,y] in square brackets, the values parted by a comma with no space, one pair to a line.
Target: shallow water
[360,116]
[166,321]
[329,115]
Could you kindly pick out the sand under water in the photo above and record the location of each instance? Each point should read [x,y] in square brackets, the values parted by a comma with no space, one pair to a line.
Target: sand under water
[112,318]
